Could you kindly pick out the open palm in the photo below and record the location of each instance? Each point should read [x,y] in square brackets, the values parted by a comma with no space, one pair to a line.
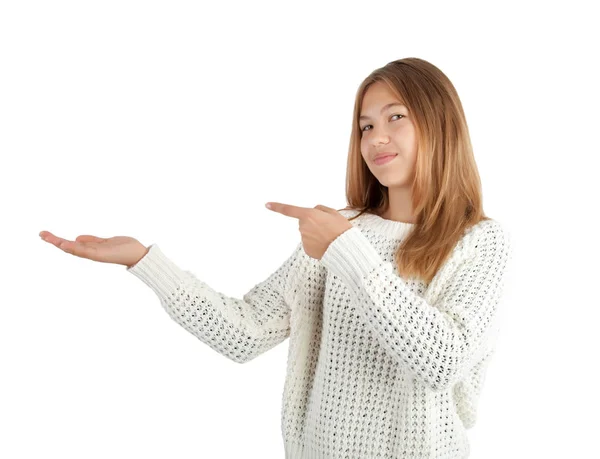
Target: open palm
[121,250]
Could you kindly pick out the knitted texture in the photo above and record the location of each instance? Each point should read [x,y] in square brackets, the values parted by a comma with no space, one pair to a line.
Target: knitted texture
[378,366]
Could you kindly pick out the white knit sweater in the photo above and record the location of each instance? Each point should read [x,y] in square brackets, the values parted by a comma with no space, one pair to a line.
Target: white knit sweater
[378,366]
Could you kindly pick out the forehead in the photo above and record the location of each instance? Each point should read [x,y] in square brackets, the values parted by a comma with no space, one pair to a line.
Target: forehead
[377,99]
[382,109]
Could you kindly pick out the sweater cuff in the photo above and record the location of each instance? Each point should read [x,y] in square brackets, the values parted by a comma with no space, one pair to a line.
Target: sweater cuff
[158,272]
[351,257]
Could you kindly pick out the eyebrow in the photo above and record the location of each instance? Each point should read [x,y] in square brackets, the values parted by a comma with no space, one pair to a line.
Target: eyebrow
[385,107]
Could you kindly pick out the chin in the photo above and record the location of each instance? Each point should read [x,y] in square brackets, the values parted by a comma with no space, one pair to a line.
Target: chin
[390,182]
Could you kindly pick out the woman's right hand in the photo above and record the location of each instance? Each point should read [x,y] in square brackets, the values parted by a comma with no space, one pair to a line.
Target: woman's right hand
[120,250]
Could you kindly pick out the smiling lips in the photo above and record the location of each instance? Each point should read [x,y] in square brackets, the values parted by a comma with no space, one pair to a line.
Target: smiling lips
[384,159]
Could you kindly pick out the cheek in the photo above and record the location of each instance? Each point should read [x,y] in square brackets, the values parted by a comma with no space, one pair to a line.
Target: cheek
[402,131]
[363,148]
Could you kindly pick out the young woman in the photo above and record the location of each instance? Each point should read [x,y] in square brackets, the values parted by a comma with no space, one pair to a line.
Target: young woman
[390,304]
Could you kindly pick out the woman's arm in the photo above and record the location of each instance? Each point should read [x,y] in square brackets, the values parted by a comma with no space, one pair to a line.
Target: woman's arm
[239,329]
[434,341]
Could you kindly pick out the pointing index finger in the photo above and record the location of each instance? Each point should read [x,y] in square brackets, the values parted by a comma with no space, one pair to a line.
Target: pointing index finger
[288,209]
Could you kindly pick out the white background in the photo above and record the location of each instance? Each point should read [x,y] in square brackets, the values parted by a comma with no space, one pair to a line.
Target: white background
[174,122]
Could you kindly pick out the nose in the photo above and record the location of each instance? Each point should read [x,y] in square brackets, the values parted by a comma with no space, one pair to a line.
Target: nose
[379,137]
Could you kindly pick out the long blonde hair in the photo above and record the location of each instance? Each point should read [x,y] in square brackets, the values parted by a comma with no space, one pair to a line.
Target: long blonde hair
[446,187]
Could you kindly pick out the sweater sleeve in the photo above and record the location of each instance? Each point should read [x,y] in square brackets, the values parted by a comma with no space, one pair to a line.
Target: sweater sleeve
[239,329]
[435,341]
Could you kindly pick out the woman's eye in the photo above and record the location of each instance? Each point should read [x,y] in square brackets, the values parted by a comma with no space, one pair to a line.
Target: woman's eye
[397,114]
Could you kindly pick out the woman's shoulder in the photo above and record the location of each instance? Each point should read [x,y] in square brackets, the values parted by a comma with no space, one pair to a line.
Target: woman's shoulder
[349,212]
[487,234]
[486,228]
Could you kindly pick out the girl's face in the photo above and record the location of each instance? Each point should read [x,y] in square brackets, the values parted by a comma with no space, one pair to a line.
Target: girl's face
[387,128]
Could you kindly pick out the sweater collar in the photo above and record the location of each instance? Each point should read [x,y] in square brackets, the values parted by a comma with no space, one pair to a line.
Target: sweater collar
[389,228]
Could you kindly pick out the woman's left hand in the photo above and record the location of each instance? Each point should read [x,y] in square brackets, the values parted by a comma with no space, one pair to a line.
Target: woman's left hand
[319,226]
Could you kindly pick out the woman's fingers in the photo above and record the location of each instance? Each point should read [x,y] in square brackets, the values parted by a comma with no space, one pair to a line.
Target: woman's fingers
[78,249]
[83,238]
[55,240]
[49,237]
[73,247]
